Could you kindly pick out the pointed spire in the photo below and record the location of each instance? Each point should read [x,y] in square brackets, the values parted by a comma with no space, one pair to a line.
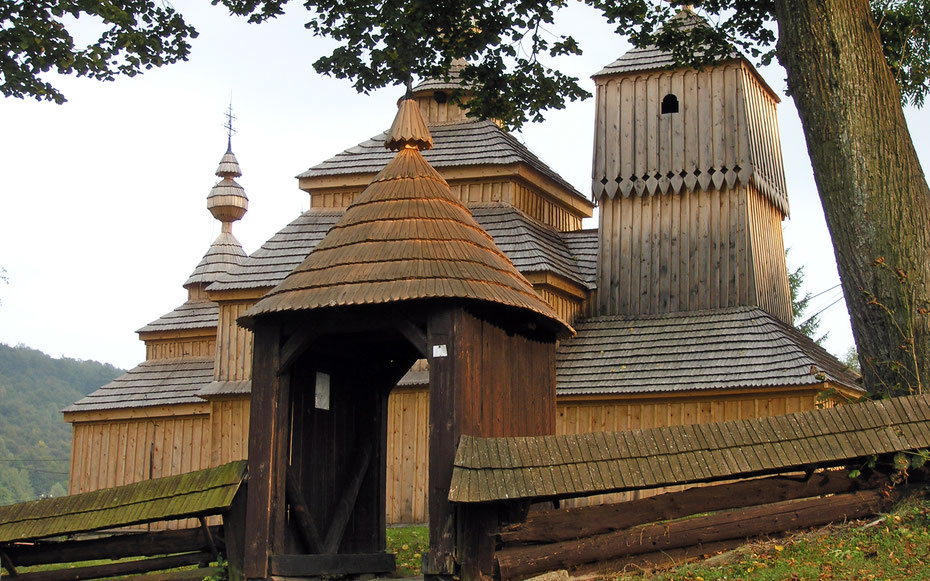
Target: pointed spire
[227,202]
[409,129]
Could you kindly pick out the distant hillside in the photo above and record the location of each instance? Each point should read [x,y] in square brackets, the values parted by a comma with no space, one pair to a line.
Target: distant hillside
[35,442]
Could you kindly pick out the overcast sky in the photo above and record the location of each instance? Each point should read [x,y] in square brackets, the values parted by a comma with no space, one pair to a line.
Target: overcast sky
[104,213]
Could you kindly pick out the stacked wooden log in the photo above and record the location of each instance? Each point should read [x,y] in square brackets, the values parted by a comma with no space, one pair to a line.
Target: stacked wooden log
[697,517]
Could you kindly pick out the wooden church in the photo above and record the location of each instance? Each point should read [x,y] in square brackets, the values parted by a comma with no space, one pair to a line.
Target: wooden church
[674,310]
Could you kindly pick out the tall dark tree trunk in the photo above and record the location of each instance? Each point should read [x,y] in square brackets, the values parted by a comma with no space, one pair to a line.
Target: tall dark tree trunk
[874,193]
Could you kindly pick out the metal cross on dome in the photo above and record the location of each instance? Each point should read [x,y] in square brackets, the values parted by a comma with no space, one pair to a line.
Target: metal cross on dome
[230,130]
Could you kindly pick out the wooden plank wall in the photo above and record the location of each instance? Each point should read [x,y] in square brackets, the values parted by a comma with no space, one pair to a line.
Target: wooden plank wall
[407,455]
[338,200]
[229,425]
[473,192]
[764,140]
[638,149]
[434,112]
[768,253]
[534,204]
[568,308]
[116,452]
[234,343]
[408,423]
[179,348]
[675,252]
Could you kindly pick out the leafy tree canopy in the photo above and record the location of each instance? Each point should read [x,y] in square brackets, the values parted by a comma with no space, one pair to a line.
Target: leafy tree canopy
[34,39]
[384,42]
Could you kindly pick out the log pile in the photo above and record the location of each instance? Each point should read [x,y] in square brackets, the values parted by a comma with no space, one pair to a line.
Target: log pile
[569,538]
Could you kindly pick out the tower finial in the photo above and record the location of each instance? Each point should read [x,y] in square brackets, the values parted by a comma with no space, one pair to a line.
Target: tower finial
[230,130]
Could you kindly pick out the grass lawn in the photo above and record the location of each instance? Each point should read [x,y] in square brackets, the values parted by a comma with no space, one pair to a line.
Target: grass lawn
[892,546]
[408,543]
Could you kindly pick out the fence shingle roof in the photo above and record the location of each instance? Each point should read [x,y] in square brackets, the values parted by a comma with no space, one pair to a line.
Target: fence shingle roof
[489,469]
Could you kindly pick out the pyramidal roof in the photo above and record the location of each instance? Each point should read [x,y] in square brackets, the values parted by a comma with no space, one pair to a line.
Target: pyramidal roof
[406,237]
[651,57]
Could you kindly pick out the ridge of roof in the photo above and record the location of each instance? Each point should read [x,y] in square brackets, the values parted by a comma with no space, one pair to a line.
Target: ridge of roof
[459,144]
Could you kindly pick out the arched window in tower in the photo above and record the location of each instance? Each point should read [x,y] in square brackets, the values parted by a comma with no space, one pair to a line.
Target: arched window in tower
[669,104]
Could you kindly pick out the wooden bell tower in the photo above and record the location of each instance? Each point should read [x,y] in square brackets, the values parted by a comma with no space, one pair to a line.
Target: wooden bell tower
[406,273]
[689,178]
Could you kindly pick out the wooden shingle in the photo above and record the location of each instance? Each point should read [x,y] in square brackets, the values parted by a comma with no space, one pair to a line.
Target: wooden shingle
[695,453]
[200,493]
[406,237]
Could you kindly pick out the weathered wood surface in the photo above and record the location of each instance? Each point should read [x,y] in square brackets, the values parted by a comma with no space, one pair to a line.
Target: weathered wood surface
[300,512]
[691,251]
[115,547]
[725,132]
[200,493]
[575,523]
[115,569]
[488,469]
[331,565]
[771,519]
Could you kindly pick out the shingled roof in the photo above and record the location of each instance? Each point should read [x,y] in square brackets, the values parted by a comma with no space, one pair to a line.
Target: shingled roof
[582,244]
[467,143]
[650,57]
[488,469]
[531,247]
[200,493]
[193,314]
[406,237]
[739,347]
[155,382]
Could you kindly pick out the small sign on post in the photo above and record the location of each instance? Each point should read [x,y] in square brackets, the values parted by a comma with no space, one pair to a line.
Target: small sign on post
[322,391]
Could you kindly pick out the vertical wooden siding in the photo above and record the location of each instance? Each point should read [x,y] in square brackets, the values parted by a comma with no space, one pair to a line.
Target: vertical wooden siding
[179,348]
[535,205]
[408,422]
[112,453]
[407,455]
[234,344]
[474,192]
[434,112]
[768,255]
[229,424]
[675,252]
[567,308]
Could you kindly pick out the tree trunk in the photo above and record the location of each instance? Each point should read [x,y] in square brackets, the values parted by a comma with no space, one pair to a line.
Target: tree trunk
[874,194]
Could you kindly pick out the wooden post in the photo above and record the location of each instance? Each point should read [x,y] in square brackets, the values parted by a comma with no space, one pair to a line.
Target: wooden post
[444,431]
[263,430]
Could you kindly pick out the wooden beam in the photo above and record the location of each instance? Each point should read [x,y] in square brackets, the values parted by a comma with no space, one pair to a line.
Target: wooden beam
[114,547]
[114,569]
[527,561]
[331,565]
[575,523]
[347,502]
[302,515]
[208,536]
[295,346]
[415,335]
[8,563]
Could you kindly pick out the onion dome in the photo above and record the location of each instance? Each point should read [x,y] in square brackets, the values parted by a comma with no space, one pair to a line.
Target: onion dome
[227,202]
[406,238]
